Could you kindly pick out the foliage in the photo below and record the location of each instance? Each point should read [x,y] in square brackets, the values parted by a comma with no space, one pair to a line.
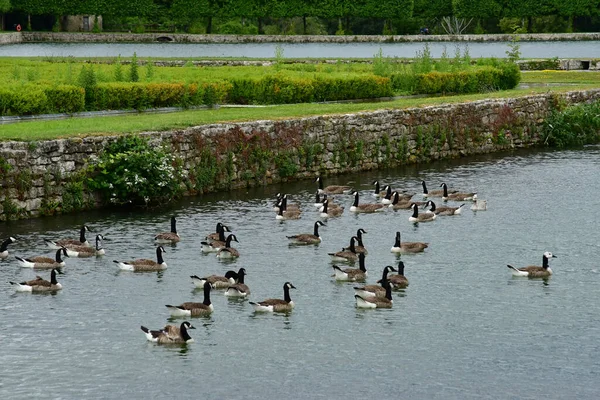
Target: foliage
[119,77]
[131,171]
[574,126]
[65,98]
[87,80]
[134,74]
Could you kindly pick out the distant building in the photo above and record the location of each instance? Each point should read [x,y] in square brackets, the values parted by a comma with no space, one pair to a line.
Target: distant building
[81,23]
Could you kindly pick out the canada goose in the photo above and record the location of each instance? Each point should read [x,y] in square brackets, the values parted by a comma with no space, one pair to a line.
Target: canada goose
[327,211]
[219,234]
[402,204]
[162,337]
[39,284]
[191,309]
[374,290]
[276,305]
[352,274]
[387,197]
[349,255]
[168,237]
[534,271]
[55,245]
[457,196]
[287,206]
[318,200]
[378,192]
[217,281]
[4,247]
[416,217]
[42,262]
[376,301]
[85,251]
[238,289]
[398,281]
[332,189]
[216,245]
[408,247]
[442,210]
[307,238]
[365,207]
[144,264]
[228,251]
[433,193]
[359,247]
[479,205]
[283,215]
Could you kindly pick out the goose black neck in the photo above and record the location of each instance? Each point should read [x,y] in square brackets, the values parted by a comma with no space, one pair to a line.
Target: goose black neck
[377,189]
[98,243]
[240,277]
[4,245]
[230,238]
[184,333]
[424,187]
[397,243]
[445,187]
[388,192]
[352,248]
[59,253]
[396,198]
[359,236]
[388,289]
[385,274]
[284,203]
[317,198]
[82,238]
[432,205]
[159,257]
[361,262]
[400,268]
[221,232]
[415,211]
[53,277]
[545,264]
[316,230]
[356,200]
[320,183]
[325,206]
[286,294]
[173,228]
[207,288]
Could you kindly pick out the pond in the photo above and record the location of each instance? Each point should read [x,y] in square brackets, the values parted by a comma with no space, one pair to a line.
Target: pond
[464,328]
[565,49]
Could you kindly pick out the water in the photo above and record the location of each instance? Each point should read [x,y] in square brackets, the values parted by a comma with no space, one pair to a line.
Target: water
[463,329]
[573,49]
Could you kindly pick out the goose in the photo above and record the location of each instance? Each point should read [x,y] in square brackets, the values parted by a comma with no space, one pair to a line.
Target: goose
[288,207]
[402,204]
[408,247]
[55,245]
[191,309]
[216,245]
[39,284]
[376,301]
[378,192]
[168,237]
[162,337]
[359,247]
[217,281]
[387,198]
[349,255]
[416,217]
[238,289]
[534,271]
[433,193]
[228,251]
[332,189]
[442,210]
[42,262]
[374,290]
[318,200]
[276,305]
[219,234]
[398,281]
[85,251]
[4,247]
[144,264]
[479,205]
[283,215]
[365,207]
[352,274]
[307,238]
[457,196]
[327,211]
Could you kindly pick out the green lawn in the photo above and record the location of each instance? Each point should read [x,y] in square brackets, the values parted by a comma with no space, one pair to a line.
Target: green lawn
[80,127]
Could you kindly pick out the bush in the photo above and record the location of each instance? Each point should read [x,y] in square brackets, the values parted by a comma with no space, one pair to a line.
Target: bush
[65,98]
[574,126]
[23,100]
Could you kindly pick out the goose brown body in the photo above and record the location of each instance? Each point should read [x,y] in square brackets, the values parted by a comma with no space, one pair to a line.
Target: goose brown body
[332,189]
[375,290]
[398,281]
[170,335]
[408,247]
[43,262]
[144,264]
[39,284]
[352,274]
[307,238]
[349,254]
[365,207]
[168,237]
[443,210]
[82,241]
[277,305]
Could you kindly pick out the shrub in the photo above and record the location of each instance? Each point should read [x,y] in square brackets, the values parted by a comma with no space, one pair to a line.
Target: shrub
[65,98]
[574,126]
[23,100]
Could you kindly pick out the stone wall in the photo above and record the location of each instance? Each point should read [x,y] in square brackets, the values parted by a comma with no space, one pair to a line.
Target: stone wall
[38,177]
[11,38]
[195,38]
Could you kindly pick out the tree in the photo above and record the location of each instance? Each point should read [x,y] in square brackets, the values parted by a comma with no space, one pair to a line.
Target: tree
[4,7]
[476,8]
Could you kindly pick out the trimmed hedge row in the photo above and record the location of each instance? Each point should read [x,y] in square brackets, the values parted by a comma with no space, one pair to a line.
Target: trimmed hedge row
[33,99]
[482,79]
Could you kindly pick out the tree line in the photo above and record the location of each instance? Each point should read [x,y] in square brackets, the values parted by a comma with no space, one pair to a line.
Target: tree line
[334,16]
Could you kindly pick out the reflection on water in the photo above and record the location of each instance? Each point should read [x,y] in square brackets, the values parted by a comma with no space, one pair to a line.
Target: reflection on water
[463,327]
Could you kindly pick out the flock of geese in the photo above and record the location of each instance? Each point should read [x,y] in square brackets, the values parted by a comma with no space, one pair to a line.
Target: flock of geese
[220,242]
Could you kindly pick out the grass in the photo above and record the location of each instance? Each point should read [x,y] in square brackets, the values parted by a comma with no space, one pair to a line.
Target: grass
[580,77]
[81,127]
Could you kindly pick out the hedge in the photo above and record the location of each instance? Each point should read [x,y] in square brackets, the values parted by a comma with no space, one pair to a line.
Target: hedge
[33,99]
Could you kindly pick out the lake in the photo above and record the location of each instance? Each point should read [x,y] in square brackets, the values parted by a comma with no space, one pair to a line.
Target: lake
[463,329]
[550,49]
